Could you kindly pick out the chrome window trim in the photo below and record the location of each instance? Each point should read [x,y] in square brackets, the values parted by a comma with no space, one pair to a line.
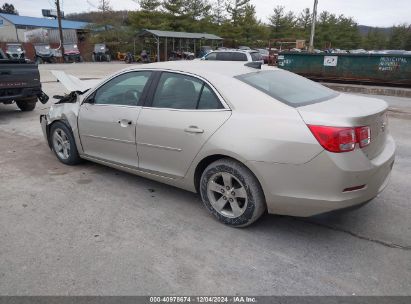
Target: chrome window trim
[219,96]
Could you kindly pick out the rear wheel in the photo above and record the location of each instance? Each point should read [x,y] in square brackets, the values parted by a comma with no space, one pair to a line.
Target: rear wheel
[63,144]
[27,104]
[232,193]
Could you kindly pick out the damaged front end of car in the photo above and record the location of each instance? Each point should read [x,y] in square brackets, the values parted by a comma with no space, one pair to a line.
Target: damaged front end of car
[65,110]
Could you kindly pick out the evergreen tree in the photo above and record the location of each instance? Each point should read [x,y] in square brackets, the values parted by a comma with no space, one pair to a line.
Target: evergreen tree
[196,9]
[219,11]
[398,37]
[304,20]
[174,7]
[236,10]
[149,5]
[283,24]
[8,9]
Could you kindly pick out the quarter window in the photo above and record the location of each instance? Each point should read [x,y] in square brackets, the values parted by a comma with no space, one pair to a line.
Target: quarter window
[178,91]
[125,89]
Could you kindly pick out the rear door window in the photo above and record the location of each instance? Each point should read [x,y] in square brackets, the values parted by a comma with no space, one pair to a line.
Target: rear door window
[179,91]
[239,57]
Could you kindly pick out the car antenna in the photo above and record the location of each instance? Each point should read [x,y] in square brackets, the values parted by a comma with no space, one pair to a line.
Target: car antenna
[254,64]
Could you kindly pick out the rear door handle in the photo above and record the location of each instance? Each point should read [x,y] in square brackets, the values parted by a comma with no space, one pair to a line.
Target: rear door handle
[193,129]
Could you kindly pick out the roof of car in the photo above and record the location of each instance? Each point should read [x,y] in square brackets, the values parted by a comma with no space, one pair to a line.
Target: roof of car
[235,50]
[202,68]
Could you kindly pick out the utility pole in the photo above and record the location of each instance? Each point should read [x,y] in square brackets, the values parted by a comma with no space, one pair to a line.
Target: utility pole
[314,19]
[60,29]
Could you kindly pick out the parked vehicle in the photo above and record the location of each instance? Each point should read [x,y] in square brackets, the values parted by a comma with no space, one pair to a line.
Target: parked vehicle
[129,58]
[44,54]
[181,55]
[144,57]
[234,55]
[247,140]
[243,47]
[20,83]
[265,55]
[15,51]
[204,50]
[100,53]
[72,53]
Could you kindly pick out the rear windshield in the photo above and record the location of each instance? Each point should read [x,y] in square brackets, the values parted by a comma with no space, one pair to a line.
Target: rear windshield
[287,87]
[256,56]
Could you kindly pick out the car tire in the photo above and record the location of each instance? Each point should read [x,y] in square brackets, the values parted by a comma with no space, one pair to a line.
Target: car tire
[63,144]
[231,192]
[28,104]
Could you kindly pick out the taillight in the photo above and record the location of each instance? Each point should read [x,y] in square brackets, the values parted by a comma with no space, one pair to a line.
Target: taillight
[337,139]
[363,136]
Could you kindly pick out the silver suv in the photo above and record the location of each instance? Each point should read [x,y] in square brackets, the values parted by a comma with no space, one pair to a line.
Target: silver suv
[234,55]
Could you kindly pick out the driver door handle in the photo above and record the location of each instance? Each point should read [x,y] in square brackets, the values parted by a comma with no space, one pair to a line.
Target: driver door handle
[193,129]
[125,122]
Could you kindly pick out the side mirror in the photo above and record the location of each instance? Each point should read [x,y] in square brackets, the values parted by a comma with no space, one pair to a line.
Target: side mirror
[89,99]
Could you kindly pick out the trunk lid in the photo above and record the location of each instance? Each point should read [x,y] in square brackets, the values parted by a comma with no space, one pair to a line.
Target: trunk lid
[347,110]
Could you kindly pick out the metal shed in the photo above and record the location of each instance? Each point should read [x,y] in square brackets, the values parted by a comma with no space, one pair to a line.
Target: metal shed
[180,36]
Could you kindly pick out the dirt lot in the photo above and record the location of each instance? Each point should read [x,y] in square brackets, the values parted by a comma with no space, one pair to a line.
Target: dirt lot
[92,230]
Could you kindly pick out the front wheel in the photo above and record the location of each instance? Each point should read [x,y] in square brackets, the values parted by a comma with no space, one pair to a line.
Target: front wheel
[63,144]
[28,104]
[232,193]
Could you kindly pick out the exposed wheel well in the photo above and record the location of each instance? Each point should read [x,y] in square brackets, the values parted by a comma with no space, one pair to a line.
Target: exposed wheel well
[202,165]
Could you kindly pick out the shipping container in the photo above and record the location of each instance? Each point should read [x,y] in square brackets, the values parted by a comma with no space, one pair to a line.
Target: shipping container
[384,69]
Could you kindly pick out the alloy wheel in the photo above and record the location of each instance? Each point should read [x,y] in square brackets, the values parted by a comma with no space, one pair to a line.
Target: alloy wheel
[227,194]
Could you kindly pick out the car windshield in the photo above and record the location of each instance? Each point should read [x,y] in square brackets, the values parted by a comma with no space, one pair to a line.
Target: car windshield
[14,48]
[42,48]
[263,52]
[70,47]
[99,48]
[287,87]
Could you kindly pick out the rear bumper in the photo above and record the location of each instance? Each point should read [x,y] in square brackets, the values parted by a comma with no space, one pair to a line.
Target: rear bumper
[9,94]
[318,186]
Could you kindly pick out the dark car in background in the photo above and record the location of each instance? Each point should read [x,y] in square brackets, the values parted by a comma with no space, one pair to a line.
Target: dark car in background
[44,54]
[265,54]
[15,51]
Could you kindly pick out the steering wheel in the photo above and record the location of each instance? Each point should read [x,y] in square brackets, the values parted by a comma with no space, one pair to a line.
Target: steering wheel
[131,97]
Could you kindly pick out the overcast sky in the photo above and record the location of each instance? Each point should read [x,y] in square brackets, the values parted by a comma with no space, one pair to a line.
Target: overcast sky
[365,12]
